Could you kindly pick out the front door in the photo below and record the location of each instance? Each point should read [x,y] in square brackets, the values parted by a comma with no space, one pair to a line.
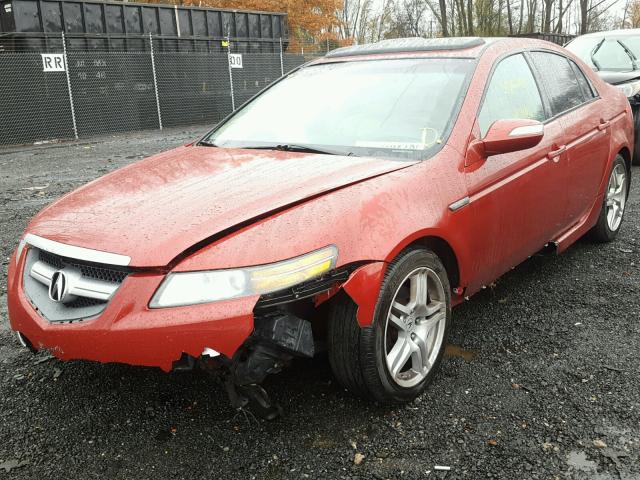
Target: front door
[519,198]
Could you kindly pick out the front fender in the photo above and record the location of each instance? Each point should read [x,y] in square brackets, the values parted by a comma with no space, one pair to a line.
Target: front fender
[363,286]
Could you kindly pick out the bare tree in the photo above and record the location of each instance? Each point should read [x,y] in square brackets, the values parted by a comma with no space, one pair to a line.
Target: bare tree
[532,6]
[443,18]
[408,19]
[562,10]
[521,16]
[509,17]
[590,11]
[349,17]
[470,17]
[548,9]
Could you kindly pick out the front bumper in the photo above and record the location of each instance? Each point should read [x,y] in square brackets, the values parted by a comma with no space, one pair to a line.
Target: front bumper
[127,331]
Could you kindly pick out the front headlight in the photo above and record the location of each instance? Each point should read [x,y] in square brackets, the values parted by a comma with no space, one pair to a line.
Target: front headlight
[190,288]
[630,89]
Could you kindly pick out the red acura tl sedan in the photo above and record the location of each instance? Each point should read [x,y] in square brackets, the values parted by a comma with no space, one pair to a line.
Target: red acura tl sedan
[349,206]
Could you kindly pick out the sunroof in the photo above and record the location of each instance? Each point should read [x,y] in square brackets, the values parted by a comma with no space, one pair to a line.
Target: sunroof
[416,44]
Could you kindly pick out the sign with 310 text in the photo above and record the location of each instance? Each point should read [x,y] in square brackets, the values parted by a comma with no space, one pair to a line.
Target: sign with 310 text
[235,60]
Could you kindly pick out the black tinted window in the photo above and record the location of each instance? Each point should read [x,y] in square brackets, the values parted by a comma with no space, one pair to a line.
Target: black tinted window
[132,19]
[93,18]
[185,24]
[150,20]
[512,93]
[51,16]
[72,17]
[167,21]
[26,16]
[559,81]
[114,18]
[199,23]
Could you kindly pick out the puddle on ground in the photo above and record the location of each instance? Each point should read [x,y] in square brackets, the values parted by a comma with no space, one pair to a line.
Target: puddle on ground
[459,352]
[579,461]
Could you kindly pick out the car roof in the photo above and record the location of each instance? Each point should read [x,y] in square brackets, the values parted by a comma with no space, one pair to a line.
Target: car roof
[628,32]
[466,47]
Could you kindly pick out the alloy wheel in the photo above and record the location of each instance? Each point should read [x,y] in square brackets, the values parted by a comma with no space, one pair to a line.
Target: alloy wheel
[616,197]
[415,327]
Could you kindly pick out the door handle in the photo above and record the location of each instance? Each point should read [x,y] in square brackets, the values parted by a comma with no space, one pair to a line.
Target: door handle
[554,154]
[603,124]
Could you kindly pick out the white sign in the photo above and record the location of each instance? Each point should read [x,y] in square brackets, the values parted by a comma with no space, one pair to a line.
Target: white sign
[235,60]
[53,62]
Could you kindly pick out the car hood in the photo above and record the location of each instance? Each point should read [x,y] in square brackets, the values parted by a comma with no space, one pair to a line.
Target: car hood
[155,209]
[614,78]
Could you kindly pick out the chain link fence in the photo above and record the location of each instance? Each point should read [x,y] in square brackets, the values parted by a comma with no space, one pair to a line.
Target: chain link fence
[62,92]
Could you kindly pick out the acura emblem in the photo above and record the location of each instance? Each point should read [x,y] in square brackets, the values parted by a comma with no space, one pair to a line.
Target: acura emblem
[58,287]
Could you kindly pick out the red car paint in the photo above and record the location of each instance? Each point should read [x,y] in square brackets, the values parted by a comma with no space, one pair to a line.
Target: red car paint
[197,208]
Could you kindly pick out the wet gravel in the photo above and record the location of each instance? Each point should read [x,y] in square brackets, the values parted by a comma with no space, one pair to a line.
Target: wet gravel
[541,381]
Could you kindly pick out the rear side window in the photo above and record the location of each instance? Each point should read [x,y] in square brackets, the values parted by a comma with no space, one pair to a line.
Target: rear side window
[512,93]
[559,80]
[587,90]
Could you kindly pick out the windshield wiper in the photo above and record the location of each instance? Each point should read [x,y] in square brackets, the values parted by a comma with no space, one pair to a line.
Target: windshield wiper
[291,147]
[593,55]
[633,58]
[204,143]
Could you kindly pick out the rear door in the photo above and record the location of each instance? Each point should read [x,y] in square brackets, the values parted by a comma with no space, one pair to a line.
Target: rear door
[518,198]
[581,112]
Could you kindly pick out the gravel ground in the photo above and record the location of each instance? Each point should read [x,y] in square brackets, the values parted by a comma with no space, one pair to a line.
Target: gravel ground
[541,380]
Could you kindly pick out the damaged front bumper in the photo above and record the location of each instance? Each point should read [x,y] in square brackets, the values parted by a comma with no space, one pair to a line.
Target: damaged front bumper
[127,331]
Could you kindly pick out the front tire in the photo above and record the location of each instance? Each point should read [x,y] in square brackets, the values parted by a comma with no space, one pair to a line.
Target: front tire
[395,358]
[615,200]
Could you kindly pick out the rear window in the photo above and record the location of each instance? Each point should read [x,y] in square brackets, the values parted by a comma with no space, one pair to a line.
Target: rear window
[587,89]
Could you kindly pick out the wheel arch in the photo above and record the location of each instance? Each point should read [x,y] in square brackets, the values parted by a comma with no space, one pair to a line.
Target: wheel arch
[364,284]
[445,253]
[438,245]
[625,153]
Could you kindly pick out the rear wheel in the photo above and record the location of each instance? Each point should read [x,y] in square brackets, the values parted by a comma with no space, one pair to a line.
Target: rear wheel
[615,200]
[394,359]
[636,129]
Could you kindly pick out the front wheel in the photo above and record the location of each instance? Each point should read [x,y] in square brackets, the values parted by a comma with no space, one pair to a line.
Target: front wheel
[395,358]
[615,201]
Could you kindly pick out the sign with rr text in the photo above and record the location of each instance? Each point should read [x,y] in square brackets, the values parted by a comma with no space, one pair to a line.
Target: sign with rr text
[53,62]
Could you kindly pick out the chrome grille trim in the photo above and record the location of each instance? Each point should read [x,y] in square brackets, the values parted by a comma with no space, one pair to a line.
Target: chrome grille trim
[77,253]
[82,287]
[87,287]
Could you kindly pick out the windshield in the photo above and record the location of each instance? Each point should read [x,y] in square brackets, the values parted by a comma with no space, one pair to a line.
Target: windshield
[400,108]
[609,54]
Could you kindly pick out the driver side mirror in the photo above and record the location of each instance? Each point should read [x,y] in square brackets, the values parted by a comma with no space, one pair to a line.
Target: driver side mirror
[512,135]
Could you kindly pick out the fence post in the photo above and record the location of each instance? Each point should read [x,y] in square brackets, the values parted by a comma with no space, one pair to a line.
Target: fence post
[233,99]
[281,59]
[155,80]
[66,64]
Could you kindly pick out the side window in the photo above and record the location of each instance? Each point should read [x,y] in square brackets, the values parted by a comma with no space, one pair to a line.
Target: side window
[559,80]
[512,93]
[587,89]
